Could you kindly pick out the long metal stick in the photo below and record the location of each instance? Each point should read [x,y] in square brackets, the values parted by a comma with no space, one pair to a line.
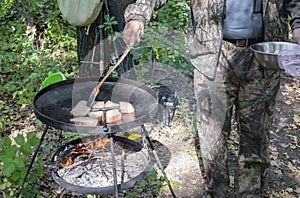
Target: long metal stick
[32,161]
[158,161]
[112,150]
[96,90]
[114,169]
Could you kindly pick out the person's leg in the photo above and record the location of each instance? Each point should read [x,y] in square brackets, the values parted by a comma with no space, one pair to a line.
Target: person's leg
[211,107]
[256,102]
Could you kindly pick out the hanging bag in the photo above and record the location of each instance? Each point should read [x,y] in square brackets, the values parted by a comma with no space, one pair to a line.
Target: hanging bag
[80,12]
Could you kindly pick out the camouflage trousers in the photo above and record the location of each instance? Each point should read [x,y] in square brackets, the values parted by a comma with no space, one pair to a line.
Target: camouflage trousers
[243,92]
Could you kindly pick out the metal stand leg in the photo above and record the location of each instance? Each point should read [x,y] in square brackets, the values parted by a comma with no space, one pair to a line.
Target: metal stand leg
[112,150]
[32,161]
[114,169]
[157,160]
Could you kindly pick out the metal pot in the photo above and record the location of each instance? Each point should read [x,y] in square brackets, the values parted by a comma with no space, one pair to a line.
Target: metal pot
[266,53]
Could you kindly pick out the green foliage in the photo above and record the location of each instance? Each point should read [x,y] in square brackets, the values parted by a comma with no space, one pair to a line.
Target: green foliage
[34,43]
[174,15]
[14,156]
[165,36]
[5,5]
[153,180]
[109,22]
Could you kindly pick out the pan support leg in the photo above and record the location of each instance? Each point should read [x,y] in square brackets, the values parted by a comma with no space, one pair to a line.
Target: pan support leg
[146,135]
[114,169]
[112,150]
[32,161]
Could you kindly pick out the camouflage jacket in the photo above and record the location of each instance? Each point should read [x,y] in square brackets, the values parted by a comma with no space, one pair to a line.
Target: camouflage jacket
[205,24]
[142,10]
[207,15]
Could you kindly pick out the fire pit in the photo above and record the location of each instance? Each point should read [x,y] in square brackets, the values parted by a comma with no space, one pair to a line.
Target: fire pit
[85,165]
[88,165]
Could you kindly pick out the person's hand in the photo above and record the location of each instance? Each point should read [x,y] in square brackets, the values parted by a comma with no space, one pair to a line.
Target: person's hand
[133,31]
[296,35]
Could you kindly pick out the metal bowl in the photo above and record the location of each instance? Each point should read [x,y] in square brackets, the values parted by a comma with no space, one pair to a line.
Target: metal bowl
[266,53]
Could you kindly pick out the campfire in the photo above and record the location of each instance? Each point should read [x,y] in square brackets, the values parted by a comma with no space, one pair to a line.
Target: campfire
[89,163]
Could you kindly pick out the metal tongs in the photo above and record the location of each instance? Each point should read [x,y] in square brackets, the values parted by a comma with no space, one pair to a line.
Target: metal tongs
[96,90]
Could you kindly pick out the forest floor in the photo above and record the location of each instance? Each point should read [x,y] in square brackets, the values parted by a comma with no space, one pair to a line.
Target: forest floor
[177,148]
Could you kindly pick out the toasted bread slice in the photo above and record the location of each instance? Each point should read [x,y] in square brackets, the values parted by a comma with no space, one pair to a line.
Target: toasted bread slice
[81,109]
[128,117]
[97,115]
[111,104]
[98,105]
[126,107]
[113,115]
[84,121]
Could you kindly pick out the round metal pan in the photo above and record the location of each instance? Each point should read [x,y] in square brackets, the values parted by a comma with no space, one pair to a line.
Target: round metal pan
[128,144]
[52,105]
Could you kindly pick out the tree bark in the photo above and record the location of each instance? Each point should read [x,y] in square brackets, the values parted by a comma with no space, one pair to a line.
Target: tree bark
[85,42]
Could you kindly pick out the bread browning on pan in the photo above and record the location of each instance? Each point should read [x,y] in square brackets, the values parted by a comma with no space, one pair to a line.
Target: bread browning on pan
[96,114]
[128,117]
[116,113]
[84,121]
[111,104]
[126,107]
[98,105]
[113,115]
[81,109]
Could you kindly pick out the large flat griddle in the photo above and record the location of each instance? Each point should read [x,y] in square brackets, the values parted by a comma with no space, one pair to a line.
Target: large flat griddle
[52,105]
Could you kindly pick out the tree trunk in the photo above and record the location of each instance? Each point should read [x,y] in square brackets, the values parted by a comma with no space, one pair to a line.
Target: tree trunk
[85,42]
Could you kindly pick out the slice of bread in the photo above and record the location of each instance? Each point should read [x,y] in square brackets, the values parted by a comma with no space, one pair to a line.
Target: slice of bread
[113,115]
[97,115]
[111,104]
[84,121]
[98,105]
[81,109]
[128,117]
[126,107]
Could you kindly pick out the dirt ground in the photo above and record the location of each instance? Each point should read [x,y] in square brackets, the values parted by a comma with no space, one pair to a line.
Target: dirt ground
[181,158]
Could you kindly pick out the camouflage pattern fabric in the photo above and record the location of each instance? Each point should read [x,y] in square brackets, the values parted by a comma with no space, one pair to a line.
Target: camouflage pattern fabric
[247,86]
[142,10]
[241,90]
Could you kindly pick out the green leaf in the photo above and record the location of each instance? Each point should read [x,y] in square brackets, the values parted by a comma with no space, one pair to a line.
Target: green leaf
[32,139]
[47,148]
[15,176]
[20,139]
[32,178]
[26,149]
[3,186]
[40,171]
[19,162]
[8,169]
[7,141]
[9,153]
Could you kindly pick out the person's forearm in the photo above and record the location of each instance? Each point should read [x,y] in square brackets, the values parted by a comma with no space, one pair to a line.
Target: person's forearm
[142,10]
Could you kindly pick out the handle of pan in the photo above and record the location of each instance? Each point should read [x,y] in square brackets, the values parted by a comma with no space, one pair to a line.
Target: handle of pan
[96,90]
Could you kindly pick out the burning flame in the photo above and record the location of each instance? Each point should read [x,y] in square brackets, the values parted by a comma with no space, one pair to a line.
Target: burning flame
[67,163]
[82,148]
